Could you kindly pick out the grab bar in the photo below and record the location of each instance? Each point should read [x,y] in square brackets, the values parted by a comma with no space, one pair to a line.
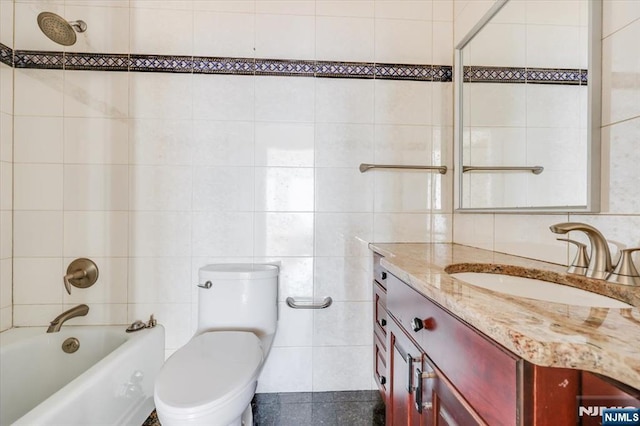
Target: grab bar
[536,170]
[366,167]
[308,303]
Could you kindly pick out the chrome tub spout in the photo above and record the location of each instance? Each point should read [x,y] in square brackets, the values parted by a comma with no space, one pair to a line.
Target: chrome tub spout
[76,311]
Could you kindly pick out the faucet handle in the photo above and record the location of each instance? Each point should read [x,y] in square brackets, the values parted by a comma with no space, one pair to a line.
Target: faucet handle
[81,273]
[625,272]
[581,261]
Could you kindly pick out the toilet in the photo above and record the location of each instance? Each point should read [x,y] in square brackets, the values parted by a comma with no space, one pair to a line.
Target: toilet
[212,379]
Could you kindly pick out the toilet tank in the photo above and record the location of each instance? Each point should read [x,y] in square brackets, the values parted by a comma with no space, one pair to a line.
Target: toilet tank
[241,296]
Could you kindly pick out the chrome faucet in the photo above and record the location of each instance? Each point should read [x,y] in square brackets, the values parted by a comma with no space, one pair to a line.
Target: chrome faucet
[600,258]
[76,311]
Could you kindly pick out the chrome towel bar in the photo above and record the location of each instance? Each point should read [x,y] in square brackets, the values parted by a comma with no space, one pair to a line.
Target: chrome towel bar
[366,167]
[308,303]
[536,170]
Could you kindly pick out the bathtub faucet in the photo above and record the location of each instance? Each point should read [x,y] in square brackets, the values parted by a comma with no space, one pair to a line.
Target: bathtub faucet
[76,311]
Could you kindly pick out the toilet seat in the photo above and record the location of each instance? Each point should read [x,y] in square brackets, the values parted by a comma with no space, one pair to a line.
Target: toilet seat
[208,371]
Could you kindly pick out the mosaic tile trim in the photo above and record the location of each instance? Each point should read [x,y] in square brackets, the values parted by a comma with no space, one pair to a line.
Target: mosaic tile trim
[345,69]
[6,55]
[441,73]
[38,60]
[233,66]
[176,64]
[206,65]
[472,74]
[285,68]
[102,62]
[568,76]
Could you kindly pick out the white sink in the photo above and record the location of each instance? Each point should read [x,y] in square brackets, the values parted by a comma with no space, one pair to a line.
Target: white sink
[539,290]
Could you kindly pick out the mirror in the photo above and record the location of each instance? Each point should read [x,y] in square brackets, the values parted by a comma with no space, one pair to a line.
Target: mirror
[528,108]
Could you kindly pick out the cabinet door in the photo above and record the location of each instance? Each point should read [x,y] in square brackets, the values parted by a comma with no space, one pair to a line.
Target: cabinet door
[449,408]
[380,366]
[405,361]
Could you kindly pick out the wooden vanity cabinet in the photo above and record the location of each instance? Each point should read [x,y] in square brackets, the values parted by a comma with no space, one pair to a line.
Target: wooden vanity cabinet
[434,369]
[380,327]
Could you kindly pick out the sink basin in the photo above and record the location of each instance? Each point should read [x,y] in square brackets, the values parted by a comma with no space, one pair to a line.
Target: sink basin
[539,290]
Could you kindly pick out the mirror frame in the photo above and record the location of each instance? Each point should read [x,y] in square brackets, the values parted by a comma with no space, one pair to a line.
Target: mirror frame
[594,111]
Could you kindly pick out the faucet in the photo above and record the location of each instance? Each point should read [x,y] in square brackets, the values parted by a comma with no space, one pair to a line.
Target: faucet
[600,258]
[76,311]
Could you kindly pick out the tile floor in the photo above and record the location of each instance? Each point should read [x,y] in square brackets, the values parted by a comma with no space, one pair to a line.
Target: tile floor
[350,408]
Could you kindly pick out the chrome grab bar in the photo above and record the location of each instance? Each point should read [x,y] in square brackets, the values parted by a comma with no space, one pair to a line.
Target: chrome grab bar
[536,170]
[308,303]
[366,167]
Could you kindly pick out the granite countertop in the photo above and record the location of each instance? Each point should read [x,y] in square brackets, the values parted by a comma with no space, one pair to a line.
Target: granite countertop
[601,340]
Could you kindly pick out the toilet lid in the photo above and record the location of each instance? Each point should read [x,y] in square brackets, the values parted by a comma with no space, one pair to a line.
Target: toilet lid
[209,367]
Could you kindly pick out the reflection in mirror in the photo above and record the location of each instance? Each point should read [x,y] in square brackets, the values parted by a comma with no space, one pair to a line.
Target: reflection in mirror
[528,111]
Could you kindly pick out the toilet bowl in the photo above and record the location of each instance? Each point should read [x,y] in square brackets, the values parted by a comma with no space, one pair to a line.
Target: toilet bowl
[212,379]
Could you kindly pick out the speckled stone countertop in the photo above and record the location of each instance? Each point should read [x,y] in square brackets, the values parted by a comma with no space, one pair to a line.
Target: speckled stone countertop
[601,340]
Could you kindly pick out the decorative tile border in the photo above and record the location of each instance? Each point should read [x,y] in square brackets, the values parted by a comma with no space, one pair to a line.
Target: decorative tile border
[473,74]
[331,69]
[207,65]
[279,67]
[6,55]
[161,63]
[284,67]
[102,62]
[38,60]
[214,65]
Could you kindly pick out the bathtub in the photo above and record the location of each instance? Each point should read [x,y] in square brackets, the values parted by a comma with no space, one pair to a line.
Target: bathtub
[107,381]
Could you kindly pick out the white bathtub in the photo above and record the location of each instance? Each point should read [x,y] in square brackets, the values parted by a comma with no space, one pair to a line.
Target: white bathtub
[107,381]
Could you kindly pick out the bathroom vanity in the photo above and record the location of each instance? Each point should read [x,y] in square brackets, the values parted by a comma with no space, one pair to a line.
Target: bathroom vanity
[449,353]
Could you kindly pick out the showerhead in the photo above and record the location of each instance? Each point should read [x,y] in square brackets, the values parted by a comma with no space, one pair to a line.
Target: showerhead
[58,29]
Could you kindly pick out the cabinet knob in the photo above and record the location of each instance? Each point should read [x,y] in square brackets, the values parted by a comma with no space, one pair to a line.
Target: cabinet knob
[383,322]
[383,275]
[383,380]
[418,324]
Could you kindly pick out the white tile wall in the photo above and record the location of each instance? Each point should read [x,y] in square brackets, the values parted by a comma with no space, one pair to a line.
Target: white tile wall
[154,175]
[6,174]
[218,33]
[100,36]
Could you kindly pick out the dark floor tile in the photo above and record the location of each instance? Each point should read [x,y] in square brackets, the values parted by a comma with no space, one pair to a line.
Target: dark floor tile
[324,413]
[362,395]
[265,398]
[323,396]
[265,414]
[295,397]
[295,414]
[350,408]
[365,413]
